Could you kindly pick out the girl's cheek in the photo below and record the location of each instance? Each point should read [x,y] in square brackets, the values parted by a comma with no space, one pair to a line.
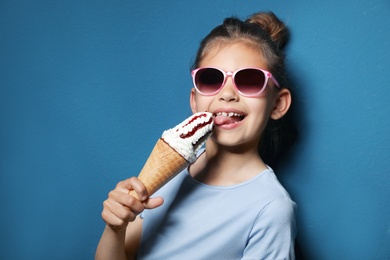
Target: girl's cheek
[204,103]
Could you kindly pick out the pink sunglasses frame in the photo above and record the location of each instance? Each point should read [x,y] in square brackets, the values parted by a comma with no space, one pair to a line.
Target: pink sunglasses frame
[232,74]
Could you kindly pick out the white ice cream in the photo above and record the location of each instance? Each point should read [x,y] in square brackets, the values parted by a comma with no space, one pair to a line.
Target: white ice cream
[187,137]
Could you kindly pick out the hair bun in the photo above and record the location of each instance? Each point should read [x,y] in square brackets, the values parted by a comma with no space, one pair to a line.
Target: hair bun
[275,28]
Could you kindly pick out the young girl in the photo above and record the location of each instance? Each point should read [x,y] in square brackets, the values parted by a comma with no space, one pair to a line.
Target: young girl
[228,204]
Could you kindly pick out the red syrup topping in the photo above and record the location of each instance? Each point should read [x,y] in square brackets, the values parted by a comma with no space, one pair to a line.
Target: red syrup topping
[196,128]
[194,118]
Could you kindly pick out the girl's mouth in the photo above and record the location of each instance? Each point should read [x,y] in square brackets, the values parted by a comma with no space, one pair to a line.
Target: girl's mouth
[227,118]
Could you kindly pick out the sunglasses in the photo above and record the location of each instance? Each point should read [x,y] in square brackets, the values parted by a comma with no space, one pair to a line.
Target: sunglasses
[249,82]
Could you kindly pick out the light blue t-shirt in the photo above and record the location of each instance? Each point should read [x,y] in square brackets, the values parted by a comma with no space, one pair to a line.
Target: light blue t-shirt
[251,220]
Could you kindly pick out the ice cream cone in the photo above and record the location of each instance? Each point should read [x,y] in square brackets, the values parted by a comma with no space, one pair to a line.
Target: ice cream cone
[174,151]
[163,164]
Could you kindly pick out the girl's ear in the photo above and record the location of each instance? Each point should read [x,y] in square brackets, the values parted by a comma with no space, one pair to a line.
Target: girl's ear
[282,104]
[193,101]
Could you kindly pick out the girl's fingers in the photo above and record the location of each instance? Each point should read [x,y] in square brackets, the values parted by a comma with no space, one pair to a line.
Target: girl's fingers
[120,207]
[135,184]
[125,200]
[113,220]
[120,211]
[152,203]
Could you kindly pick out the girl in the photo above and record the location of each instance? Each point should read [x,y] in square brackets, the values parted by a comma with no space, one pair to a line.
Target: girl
[228,204]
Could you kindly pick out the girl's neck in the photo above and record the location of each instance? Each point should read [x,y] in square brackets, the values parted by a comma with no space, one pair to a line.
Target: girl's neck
[225,167]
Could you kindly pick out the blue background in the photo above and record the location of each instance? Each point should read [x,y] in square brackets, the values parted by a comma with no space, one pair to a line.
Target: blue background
[87,87]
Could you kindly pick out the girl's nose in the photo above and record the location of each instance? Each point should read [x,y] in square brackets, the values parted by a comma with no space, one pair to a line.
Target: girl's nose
[228,92]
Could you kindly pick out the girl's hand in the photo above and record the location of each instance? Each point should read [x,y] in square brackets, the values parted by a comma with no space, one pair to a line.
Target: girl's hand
[120,208]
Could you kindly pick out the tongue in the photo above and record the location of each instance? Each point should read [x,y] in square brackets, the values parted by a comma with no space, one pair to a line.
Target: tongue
[224,120]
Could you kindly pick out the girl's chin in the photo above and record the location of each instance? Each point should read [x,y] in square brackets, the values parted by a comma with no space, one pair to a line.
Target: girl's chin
[226,139]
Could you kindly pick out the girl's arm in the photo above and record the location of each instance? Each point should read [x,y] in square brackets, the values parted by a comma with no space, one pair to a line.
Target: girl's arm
[111,245]
[121,236]
[121,244]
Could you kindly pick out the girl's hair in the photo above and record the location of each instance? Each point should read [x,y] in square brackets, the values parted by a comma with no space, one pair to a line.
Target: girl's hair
[266,33]
[263,31]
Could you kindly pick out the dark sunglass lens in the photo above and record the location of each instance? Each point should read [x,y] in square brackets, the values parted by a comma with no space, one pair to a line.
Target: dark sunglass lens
[249,81]
[208,80]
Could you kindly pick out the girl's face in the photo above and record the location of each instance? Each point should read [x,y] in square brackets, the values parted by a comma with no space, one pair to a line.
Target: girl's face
[239,121]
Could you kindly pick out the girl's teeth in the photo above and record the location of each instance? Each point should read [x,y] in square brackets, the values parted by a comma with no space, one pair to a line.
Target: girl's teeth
[227,114]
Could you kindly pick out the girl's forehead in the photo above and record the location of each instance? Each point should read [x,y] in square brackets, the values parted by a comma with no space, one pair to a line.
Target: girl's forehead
[233,55]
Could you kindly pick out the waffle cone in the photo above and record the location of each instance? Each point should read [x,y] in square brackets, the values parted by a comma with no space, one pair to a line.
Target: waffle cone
[163,164]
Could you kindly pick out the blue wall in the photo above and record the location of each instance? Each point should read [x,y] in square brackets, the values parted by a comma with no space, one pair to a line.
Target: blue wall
[86,88]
